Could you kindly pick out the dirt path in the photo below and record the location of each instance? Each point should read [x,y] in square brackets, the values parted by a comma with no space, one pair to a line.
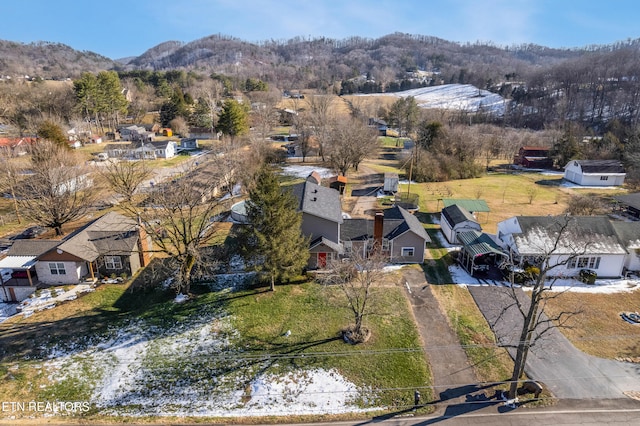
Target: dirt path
[453,375]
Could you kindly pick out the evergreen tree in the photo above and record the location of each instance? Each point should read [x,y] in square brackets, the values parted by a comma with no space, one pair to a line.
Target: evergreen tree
[275,238]
[234,119]
[52,132]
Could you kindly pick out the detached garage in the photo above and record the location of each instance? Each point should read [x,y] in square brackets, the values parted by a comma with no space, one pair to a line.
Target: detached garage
[595,172]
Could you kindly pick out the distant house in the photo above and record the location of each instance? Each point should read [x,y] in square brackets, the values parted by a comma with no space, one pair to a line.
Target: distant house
[118,150]
[585,242]
[136,134]
[379,124]
[533,157]
[165,149]
[189,144]
[144,150]
[17,146]
[456,219]
[595,172]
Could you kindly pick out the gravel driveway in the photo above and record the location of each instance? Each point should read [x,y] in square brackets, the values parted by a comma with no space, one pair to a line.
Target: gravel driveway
[566,371]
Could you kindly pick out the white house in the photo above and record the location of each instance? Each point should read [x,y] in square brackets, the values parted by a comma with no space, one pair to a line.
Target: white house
[595,172]
[571,243]
[455,219]
[629,235]
[165,149]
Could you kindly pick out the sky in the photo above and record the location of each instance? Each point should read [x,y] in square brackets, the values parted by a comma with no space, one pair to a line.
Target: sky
[122,28]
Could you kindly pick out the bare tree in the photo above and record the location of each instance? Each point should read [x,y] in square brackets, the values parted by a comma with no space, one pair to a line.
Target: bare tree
[556,251]
[264,113]
[125,177]
[58,189]
[351,142]
[9,170]
[319,118]
[179,217]
[356,276]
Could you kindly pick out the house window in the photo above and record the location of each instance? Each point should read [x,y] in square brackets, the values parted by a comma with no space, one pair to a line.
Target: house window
[347,246]
[57,268]
[584,262]
[408,251]
[112,262]
[604,177]
[385,244]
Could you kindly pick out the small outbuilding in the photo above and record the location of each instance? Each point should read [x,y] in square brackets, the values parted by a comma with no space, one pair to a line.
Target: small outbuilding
[456,219]
[595,172]
[391,181]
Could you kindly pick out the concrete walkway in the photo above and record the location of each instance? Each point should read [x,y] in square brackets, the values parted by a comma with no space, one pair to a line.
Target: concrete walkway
[453,376]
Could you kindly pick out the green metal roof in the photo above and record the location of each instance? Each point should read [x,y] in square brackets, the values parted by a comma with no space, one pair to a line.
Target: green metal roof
[477,243]
[469,205]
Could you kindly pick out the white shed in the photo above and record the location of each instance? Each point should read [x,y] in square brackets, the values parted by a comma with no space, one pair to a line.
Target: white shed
[455,219]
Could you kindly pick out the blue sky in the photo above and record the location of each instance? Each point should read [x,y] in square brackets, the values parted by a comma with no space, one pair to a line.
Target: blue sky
[120,28]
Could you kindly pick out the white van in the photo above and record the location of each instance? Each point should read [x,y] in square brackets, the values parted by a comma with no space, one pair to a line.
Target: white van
[102,156]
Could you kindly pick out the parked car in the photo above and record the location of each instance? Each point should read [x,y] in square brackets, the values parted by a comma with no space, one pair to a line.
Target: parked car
[32,232]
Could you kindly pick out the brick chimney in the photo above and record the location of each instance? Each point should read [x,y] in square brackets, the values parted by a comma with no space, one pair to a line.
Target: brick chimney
[378,224]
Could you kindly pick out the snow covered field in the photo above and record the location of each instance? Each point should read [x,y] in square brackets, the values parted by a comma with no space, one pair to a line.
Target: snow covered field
[461,97]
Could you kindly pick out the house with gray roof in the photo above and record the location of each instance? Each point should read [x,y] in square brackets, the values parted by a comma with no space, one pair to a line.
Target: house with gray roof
[595,172]
[629,235]
[399,233]
[112,244]
[21,259]
[455,219]
[321,219]
[570,243]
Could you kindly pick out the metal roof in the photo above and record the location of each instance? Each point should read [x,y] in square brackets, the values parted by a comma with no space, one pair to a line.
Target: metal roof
[469,205]
[477,243]
[18,262]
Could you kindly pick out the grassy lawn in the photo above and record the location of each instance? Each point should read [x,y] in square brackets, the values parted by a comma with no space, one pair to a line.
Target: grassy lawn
[315,315]
[490,363]
[598,330]
[254,322]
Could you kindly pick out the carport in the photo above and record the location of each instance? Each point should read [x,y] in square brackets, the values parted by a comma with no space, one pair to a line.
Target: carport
[15,292]
[479,252]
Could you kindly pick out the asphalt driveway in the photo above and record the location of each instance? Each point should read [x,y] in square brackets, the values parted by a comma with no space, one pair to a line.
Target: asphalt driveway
[567,372]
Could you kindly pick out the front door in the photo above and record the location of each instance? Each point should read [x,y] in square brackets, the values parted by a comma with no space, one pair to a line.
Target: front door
[322,260]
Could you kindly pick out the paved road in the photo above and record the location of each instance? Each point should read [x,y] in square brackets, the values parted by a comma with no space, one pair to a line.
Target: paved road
[566,371]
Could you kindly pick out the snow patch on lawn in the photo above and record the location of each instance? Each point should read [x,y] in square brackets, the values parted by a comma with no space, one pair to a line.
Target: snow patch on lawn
[193,368]
[601,286]
[305,171]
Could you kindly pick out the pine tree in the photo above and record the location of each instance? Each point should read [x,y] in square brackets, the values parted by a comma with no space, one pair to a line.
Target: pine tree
[234,119]
[275,236]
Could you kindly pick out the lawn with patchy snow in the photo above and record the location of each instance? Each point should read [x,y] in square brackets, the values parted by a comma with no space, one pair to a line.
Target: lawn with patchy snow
[239,354]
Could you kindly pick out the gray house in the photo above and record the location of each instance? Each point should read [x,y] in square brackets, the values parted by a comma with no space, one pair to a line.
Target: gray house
[399,233]
[321,219]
